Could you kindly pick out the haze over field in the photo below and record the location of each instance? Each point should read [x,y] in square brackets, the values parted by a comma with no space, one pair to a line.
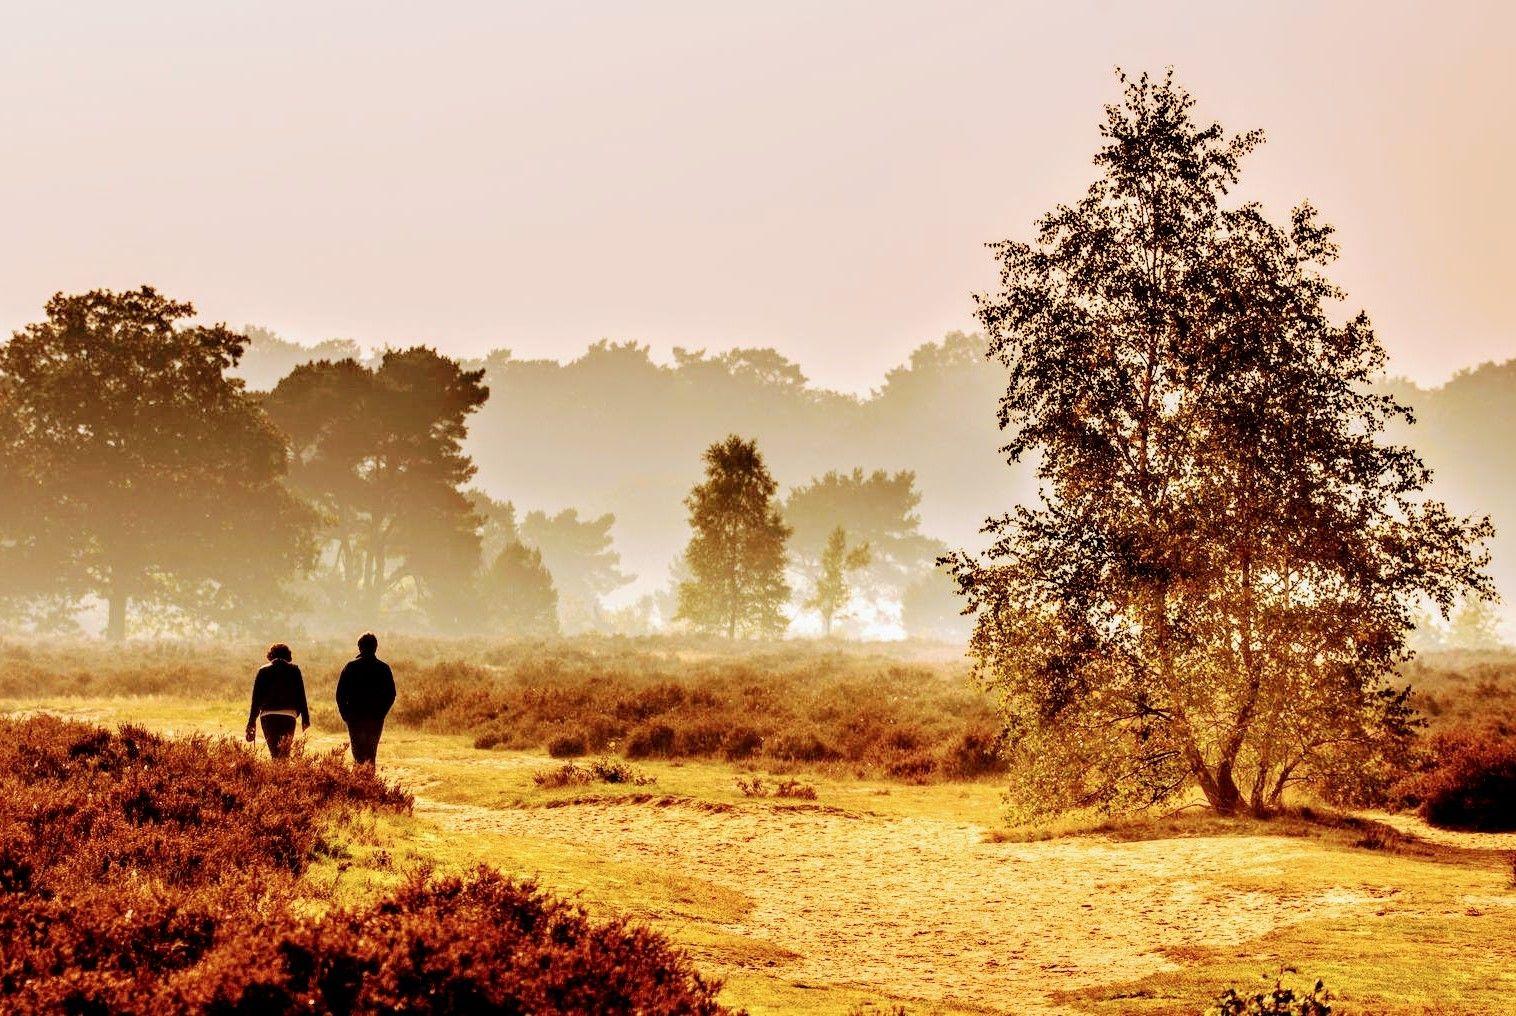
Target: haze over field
[815,178]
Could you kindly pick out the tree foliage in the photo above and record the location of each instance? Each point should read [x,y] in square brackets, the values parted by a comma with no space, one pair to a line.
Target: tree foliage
[736,555]
[1226,560]
[877,508]
[138,471]
[580,555]
[833,589]
[517,593]
[380,453]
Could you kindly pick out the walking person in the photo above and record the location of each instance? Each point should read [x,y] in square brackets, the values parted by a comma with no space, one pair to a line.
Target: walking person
[278,701]
[365,692]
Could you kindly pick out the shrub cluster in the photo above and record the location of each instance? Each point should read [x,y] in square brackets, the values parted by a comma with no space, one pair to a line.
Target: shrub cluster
[1279,1001]
[600,770]
[140,874]
[755,787]
[1466,779]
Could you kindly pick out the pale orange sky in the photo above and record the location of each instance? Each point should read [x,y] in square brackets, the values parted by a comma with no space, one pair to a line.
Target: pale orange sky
[818,177]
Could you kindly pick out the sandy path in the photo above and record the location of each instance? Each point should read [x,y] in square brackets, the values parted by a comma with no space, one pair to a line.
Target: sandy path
[925,909]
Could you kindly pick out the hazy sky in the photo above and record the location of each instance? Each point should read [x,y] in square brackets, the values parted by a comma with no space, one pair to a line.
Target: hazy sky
[819,177]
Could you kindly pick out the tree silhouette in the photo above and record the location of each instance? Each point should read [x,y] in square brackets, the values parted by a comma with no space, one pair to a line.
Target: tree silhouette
[379,452]
[736,557]
[833,590]
[518,594]
[136,470]
[1224,567]
[580,555]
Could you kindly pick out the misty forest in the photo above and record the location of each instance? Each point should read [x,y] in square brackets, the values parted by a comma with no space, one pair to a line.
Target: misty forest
[1140,650]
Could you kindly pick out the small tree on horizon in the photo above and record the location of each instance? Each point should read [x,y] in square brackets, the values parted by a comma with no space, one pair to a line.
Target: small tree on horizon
[736,555]
[833,591]
[1225,565]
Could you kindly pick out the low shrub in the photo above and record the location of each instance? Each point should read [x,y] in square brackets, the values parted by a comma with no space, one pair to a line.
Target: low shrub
[1280,1001]
[802,747]
[740,743]
[567,746]
[653,740]
[1466,780]
[601,770]
[146,875]
[570,774]
[754,786]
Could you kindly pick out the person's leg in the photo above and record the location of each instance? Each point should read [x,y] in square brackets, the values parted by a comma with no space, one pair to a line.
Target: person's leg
[279,732]
[364,735]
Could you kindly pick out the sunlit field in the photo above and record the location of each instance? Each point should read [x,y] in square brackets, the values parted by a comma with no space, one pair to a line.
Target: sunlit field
[844,882]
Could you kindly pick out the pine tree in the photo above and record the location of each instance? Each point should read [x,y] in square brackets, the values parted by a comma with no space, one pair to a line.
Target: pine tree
[736,557]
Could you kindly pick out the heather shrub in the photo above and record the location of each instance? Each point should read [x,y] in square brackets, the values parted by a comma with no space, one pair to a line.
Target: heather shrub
[1466,780]
[654,740]
[142,874]
[567,746]
[755,787]
[866,710]
[801,747]
[741,743]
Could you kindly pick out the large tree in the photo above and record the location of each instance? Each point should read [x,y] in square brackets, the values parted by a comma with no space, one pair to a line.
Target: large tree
[736,555]
[1227,558]
[380,452]
[138,471]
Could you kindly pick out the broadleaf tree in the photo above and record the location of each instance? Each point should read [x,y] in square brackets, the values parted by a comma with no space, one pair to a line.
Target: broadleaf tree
[1227,558]
[736,556]
[380,453]
[833,588]
[139,471]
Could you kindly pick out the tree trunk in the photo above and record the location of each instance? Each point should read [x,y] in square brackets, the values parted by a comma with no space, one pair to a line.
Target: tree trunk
[115,625]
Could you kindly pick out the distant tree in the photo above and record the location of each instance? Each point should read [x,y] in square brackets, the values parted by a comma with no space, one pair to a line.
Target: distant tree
[1475,625]
[1223,571]
[833,591]
[877,508]
[518,593]
[580,555]
[930,608]
[137,471]
[379,452]
[736,557]
[497,523]
[268,358]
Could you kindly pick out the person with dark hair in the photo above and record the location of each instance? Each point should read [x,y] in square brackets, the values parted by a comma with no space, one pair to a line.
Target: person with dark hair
[278,700]
[365,692]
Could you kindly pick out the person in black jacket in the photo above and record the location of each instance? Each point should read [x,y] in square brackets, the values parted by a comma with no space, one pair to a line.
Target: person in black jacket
[278,700]
[365,692]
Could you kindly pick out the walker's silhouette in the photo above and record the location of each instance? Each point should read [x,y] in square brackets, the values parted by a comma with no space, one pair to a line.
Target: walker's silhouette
[278,698]
[365,692]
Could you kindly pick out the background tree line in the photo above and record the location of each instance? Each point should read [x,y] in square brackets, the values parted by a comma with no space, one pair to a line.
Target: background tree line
[614,431]
[143,474]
